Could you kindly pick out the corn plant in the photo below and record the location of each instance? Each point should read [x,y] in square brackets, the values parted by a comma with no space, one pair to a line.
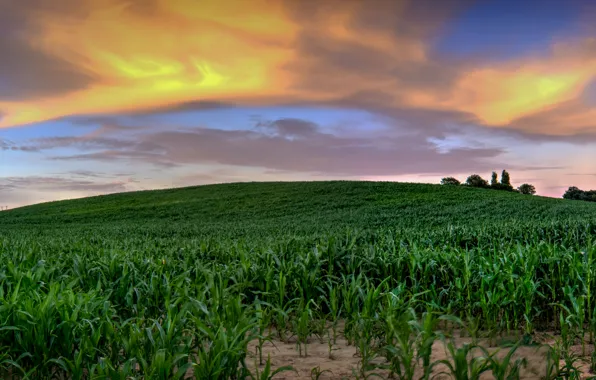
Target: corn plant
[185,286]
[263,317]
[560,363]
[334,307]
[316,373]
[303,326]
[507,368]
[462,364]
[268,373]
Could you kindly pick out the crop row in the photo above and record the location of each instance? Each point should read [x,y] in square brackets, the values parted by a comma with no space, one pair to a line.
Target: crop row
[96,304]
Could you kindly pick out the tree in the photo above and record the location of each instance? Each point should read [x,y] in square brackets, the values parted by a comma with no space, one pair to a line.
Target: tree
[527,189]
[450,181]
[580,195]
[476,181]
[493,180]
[573,193]
[505,180]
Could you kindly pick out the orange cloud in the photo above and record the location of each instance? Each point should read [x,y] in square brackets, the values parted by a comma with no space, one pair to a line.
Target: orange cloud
[178,51]
[500,94]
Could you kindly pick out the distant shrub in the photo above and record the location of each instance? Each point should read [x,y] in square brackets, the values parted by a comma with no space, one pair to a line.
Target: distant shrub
[476,181]
[527,189]
[450,181]
[575,193]
[500,186]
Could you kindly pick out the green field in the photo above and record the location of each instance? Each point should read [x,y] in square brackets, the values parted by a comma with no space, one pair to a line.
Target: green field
[298,209]
[173,283]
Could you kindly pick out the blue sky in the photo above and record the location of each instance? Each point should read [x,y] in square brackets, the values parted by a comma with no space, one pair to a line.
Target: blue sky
[507,29]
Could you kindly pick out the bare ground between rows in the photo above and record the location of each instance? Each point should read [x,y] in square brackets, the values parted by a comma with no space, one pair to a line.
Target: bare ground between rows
[345,362]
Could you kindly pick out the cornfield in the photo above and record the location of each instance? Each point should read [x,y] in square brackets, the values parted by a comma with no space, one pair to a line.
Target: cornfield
[161,298]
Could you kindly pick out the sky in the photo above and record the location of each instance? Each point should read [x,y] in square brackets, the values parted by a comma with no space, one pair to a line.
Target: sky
[104,96]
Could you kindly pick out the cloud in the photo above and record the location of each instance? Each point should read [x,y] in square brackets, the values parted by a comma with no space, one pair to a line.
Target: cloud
[290,145]
[51,184]
[289,128]
[6,145]
[170,52]
[145,57]
[96,174]
[26,75]
[382,45]
[26,72]
[82,142]
[576,115]
[115,64]
[22,190]
[410,142]
[295,149]
[100,138]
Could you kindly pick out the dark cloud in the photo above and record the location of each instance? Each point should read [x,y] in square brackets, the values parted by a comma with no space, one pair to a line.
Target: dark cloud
[27,74]
[313,152]
[582,174]
[331,61]
[6,145]
[113,120]
[513,135]
[576,139]
[99,139]
[52,184]
[412,18]
[85,142]
[407,146]
[96,174]
[215,176]
[330,64]
[574,115]
[540,127]
[292,128]
[25,71]
[121,156]
[180,107]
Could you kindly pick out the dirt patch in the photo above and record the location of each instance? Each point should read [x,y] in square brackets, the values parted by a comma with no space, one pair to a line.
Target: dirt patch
[344,362]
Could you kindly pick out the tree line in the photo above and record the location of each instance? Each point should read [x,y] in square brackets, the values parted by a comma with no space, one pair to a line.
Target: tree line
[504,184]
[575,193]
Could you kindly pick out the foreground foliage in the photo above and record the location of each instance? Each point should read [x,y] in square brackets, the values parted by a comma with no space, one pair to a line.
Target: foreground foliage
[161,297]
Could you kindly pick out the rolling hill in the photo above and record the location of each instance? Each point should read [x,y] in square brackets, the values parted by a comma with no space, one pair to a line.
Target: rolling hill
[300,208]
[135,284]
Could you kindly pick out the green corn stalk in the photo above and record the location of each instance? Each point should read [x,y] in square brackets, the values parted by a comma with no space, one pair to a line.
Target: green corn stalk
[507,368]
[460,366]
[268,373]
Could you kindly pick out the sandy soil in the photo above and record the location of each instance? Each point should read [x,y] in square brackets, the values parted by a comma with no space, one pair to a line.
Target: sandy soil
[344,361]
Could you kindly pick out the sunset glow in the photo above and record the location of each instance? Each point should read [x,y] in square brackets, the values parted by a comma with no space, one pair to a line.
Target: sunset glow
[399,59]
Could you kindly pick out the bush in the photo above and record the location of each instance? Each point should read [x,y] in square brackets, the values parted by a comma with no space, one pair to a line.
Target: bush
[575,193]
[450,181]
[476,181]
[500,186]
[527,189]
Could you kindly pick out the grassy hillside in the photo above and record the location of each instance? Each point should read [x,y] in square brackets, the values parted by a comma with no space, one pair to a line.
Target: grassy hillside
[159,284]
[300,208]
